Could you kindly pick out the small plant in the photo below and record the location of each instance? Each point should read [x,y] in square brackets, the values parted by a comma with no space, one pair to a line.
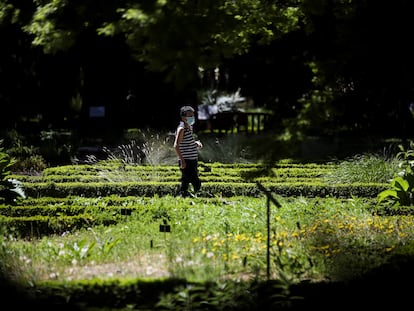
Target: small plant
[222,295]
[28,158]
[105,245]
[33,164]
[402,185]
[71,252]
[10,189]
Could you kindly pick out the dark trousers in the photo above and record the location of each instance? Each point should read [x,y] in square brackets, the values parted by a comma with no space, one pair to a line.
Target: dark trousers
[189,175]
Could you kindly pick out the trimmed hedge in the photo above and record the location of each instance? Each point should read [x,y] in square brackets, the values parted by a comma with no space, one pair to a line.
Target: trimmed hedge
[225,189]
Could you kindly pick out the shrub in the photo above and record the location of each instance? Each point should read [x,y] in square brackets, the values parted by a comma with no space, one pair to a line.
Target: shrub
[402,185]
[10,189]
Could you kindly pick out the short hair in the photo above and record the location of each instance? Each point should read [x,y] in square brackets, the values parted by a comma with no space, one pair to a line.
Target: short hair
[185,109]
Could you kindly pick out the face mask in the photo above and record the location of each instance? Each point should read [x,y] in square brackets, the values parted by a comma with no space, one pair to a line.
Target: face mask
[190,120]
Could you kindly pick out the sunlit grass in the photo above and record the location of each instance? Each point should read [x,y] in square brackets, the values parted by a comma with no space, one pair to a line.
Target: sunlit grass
[220,238]
[365,168]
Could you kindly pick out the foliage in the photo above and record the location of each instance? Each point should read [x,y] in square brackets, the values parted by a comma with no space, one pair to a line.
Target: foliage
[157,148]
[199,34]
[334,74]
[148,147]
[27,156]
[347,61]
[56,146]
[228,149]
[145,147]
[10,189]
[214,238]
[316,116]
[217,240]
[220,295]
[401,190]
[164,33]
[363,168]
[323,42]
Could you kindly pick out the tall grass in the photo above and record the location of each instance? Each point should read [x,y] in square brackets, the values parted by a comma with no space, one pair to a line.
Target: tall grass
[145,147]
[148,147]
[365,168]
[227,149]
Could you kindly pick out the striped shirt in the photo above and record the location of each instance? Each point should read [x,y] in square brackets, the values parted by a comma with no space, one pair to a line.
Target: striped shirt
[188,146]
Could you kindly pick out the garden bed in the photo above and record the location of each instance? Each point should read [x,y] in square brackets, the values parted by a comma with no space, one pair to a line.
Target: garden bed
[89,240]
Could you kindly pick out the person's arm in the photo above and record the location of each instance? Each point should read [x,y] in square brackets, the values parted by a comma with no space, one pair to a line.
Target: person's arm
[177,141]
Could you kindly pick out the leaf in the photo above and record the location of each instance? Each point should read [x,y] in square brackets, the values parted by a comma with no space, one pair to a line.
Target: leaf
[400,184]
[18,187]
[387,194]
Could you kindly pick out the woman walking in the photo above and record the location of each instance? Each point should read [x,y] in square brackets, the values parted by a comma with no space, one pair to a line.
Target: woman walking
[187,148]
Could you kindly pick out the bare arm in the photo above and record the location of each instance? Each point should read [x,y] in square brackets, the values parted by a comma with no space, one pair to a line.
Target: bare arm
[177,141]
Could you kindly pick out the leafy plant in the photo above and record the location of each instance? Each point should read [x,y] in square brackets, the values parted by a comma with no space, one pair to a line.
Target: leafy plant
[10,188]
[401,190]
[28,158]
[72,253]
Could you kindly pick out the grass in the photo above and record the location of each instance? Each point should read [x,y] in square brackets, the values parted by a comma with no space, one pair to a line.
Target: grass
[218,239]
[364,168]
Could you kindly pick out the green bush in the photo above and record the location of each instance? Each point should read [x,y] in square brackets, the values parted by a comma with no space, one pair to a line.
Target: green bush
[10,189]
[401,191]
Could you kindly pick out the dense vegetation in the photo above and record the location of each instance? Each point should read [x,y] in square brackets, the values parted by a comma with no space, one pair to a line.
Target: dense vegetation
[267,248]
[320,66]
[313,212]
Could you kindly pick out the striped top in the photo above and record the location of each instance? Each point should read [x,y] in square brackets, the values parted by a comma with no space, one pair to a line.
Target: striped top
[188,146]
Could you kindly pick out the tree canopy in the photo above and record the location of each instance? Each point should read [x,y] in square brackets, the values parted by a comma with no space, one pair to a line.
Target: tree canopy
[322,66]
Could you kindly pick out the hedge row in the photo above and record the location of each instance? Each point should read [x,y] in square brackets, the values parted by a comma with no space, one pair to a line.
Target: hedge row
[38,226]
[209,189]
[58,210]
[208,172]
[54,199]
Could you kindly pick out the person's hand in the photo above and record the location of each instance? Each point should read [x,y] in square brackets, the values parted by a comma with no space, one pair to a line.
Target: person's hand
[199,144]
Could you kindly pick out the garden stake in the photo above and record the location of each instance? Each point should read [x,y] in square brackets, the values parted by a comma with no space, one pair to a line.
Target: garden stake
[164,227]
[269,198]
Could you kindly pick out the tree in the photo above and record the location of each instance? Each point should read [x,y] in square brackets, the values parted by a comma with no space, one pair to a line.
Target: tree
[175,37]
[361,60]
[324,62]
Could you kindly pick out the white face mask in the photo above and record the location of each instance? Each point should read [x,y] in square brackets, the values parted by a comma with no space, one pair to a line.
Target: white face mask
[190,120]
